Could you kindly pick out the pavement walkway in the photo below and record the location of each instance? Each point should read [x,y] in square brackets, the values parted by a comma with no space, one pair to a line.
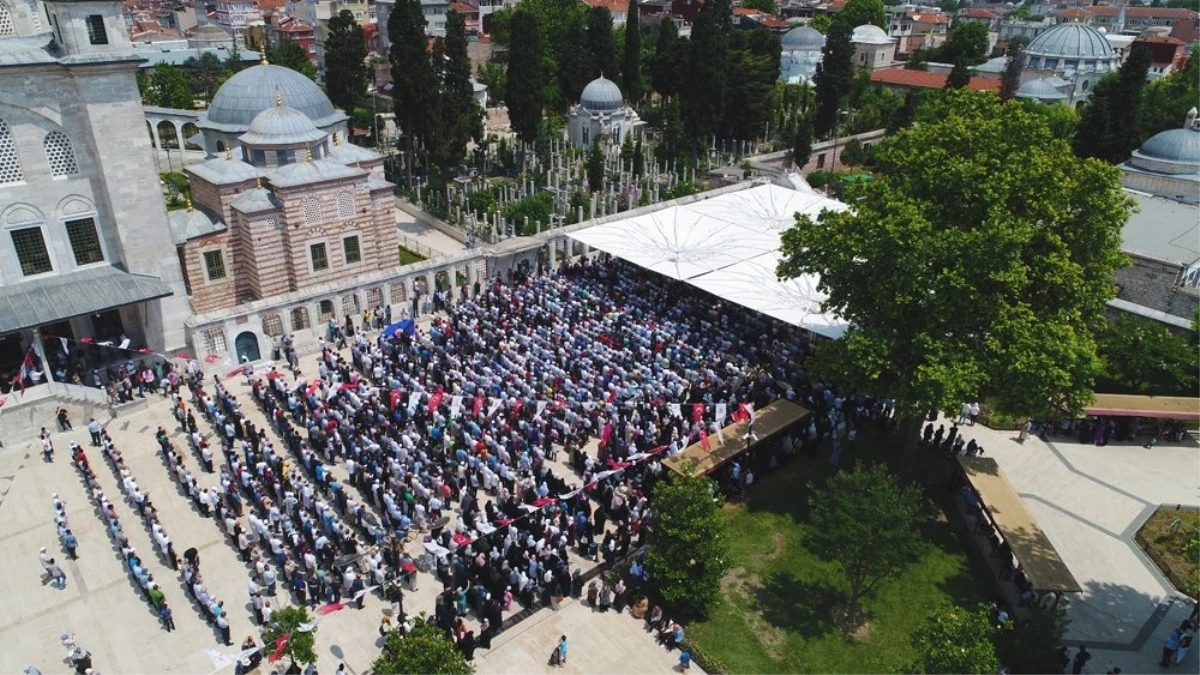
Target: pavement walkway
[1090,501]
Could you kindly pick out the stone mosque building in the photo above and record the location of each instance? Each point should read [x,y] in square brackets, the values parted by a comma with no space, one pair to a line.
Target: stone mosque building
[84,253]
[281,206]
[602,112]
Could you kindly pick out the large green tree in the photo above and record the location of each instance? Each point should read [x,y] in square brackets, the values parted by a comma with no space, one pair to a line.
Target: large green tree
[495,77]
[753,72]
[301,646]
[1146,357]
[802,140]
[957,640]
[669,59]
[290,54]
[631,65]
[595,164]
[601,47]
[1108,127]
[167,87]
[966,40]
[459,118]
[704,85]
[345,61]
[205,73]
[835,75]
[686,557]
[526,95]
[977,265]
[1010,79]
[960,74]
[425,650]
[1166,101]
[414,87]
[867,522]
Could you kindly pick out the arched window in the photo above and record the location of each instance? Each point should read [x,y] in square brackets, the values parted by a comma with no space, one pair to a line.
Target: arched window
[273,325]
[345,205]
[6,21]
[299,318]
[10,163]
[312,210]
[60,154]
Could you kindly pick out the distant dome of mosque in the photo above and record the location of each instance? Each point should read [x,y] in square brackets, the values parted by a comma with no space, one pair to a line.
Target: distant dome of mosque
[1071,41]
[1180,147]
[253,90]
[281,125]
[602,95]
[870,34]
[803,38]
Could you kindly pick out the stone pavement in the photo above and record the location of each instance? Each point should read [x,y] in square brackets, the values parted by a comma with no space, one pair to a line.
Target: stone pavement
[102,606]
[1090,501]
[435,240]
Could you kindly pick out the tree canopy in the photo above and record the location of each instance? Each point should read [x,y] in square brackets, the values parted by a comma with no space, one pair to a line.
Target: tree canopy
[686,557]
[290,54]
[866,521]
[414,82]
[670,59]
[704,85]
[631,65]
[301,646]
[835,74]
[957,640]
[601,46]
[753,71]
[1109,124]
[345,61]
[968,41]
[1010,79]
[1147,358]
[459,119]
[425,650]
[960,74]
[1166,101]
[525,77]
[978,264]
[168,87]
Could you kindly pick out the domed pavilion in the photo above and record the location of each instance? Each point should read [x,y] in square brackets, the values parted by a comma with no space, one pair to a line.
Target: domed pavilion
[601,112]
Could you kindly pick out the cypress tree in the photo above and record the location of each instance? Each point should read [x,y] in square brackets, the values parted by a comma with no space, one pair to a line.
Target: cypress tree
[600,44]
[414,83]
[345,67]
[631,68]
[526,83]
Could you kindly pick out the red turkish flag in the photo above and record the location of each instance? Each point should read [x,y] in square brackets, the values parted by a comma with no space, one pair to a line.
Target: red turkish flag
[330,608]
[211,358]
[697,413]
[436,400]
[704,440]
[395,398]
[281,644]
[477,407]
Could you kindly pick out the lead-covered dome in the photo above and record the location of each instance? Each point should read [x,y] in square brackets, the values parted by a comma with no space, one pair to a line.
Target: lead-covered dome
[803,38]
[1071,41]
[1041,90]
[602,95]
[870,34]
[1179,147]
[253,90]
[282,125]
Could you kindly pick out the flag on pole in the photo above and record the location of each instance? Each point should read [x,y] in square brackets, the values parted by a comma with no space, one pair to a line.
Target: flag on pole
[697,413]
[541,405]
[704,443]
[520,403]
[414,398]
[66,349]
[494,406]
[721,411]
[455,406]
[26,369]
[676,410]
[477,406]
[394,399]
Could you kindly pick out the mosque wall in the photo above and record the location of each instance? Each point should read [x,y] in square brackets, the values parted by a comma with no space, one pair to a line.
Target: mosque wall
[1155,284]
[1163,186]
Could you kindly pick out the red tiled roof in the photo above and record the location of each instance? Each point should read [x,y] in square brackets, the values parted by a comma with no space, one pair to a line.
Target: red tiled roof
[923,79]
[774,22]
[977,14]
[747,11]
[463,8]
[1073,13]
[614,6]
[926,17]
[837,4]
[1157,40]
[1144,12]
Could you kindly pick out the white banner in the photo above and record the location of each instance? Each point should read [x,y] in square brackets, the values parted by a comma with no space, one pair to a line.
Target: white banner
[494,406]
[541,406]
[455,406]
[721,413]
[414,399]
[676,410]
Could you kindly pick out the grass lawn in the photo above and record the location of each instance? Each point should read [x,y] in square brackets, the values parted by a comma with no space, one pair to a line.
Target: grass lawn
[1167,549]
[774,616]
[408,257]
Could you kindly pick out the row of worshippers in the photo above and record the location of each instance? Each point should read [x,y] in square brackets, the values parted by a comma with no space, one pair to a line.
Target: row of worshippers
[412,461]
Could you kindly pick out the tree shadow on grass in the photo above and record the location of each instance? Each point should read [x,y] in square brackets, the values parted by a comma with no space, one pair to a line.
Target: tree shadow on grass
[797,606]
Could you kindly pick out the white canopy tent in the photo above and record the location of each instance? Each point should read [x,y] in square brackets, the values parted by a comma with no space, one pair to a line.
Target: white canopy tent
[727,245]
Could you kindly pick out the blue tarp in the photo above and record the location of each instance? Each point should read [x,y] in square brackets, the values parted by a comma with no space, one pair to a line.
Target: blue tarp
[407,326]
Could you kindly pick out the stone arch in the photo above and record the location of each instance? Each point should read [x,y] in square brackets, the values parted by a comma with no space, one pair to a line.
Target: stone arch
[22,214]
[60,154]
[350,304]
[153,138]
[190,129]
[74,204]
[246,345]
[441,280]
[10,161]
[220,146]
[300,318]
[167,135]
[272,325]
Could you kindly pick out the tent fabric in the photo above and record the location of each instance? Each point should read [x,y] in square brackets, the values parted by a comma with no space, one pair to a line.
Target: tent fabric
[1031,547]
[727,245]
[1159,407]
[403,326]
[774,418]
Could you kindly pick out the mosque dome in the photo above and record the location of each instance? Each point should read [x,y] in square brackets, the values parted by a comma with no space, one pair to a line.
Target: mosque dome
[1179,147]
[602,95]
[870,34]
[803,38]
[253,90]
[1041,90]
[1071,41]
[282,125]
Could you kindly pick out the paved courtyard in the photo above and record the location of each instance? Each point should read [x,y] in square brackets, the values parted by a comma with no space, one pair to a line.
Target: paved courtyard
[1091,501]
[102,606]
